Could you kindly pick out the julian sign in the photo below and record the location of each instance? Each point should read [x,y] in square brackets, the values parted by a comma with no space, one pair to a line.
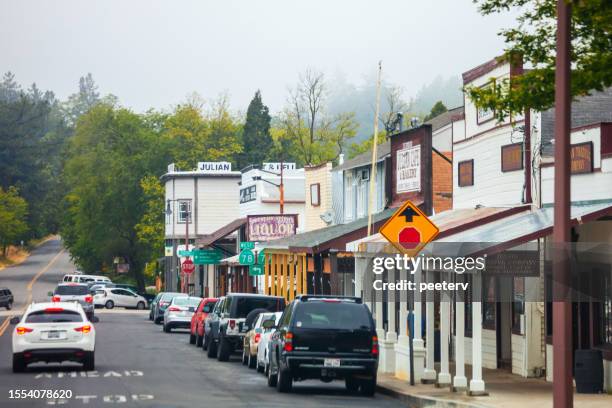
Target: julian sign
[214,167]
[270,227]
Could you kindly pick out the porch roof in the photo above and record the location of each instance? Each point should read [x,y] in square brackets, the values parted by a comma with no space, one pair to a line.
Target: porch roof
[221,232]
[335,236]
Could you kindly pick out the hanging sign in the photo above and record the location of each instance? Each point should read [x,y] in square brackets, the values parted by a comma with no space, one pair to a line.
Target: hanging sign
[271,227]
[408,172]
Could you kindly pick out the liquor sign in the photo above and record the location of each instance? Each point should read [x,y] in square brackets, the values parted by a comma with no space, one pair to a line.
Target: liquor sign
[409,169]
[214,167]
[581,155]
[277,166]
[271,227]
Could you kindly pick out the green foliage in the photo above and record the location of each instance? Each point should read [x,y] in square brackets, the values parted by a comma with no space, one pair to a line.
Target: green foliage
[533,40]
[256,139]
[436,110]
[150,229]
[355,149]
[13,212]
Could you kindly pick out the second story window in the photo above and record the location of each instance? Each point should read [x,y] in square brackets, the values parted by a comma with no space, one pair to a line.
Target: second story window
[348,196]
[184,211]
[466,173]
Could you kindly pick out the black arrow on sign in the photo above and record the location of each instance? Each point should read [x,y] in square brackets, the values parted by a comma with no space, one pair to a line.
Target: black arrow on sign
[408,213]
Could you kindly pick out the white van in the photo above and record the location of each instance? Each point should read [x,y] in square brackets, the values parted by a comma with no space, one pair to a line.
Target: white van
[85,278]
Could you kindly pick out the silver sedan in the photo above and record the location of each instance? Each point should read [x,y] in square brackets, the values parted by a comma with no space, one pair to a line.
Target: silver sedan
[179,312]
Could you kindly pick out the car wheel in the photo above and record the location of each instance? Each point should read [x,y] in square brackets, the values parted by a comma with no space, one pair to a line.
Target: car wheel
[89,362]
[9,306]
[271,377]
[151,315]
[158,321]
[260,368]
[109,304]
[192,338]
[140,306]
[283,380]
[252,361]
[368,387]
[352,384]
[245,358]
[167,328]
[19,364]
[212,348]
[199,339]
[223,350]
[205,343]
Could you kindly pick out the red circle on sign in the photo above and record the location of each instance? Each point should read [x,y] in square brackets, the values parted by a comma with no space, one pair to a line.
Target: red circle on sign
[409,237]
[188,266]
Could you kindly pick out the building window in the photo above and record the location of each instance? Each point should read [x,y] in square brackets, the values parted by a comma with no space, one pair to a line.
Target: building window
[512,157]
[518,304]
[184,211]
[315,194]
[581,155]
[466,173]
[488,303]
[248,194]
[362,199]
[483,114]
[348,195]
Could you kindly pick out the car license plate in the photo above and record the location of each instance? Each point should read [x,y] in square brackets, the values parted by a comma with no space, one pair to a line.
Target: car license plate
[54,335]
[331,362]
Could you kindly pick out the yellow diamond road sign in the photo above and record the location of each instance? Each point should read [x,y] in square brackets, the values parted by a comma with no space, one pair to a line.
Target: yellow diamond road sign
[409,229]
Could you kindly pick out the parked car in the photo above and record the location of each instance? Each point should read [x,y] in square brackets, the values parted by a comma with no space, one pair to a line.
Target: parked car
[6,298]
[326,338]
[161,305]
[112,297]
[74,292]
[79,278]
[263,354]
[252,338]
[53,332]
[227,325]
[196,335]
[148,296]
[153,304]
[210,323]
[179,312]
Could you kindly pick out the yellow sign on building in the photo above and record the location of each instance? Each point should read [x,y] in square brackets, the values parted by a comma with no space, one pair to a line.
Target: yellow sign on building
[409,229]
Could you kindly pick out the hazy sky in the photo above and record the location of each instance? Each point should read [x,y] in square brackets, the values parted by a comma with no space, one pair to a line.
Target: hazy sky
[152,53]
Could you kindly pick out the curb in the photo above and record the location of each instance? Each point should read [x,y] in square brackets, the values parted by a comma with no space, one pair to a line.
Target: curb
[422,401]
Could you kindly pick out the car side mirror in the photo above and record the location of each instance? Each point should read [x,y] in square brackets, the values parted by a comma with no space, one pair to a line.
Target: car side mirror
[15,320]
[95,319]
[49,294]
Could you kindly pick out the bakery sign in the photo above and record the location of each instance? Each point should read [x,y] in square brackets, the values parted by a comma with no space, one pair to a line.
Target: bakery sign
[408,171]
[270,227]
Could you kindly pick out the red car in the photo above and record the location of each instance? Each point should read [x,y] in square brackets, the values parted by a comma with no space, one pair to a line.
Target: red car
[197,320]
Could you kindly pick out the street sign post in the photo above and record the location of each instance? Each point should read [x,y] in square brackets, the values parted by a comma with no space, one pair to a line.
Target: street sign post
[247,245]
[188,266]
[409,229]
[246,257]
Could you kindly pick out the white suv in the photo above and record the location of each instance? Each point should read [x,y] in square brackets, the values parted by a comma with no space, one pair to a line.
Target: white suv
[111,297]
[53,332]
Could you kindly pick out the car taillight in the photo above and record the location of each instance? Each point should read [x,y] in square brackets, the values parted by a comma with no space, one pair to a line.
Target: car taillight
[89,299]
[56,299]
[23,330]
[174,309]
[375,345]
[288,342]
[232,324]
[257,337]
[54,309]
[83,329]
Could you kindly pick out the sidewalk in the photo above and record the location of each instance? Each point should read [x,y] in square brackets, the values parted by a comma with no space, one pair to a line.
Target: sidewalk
[505,391]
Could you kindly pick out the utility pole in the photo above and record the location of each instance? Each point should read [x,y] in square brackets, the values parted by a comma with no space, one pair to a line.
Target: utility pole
[281,187]
[372,199]
[562,306]
[188,218]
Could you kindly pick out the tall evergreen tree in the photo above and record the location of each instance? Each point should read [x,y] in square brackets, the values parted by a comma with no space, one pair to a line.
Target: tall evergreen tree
[256,138]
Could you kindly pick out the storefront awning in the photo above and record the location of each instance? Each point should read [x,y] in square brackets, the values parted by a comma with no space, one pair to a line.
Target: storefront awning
[221,232]
[333,237]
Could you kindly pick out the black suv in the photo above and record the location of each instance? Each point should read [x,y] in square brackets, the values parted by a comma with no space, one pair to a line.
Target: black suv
[6,298]
[326,338]
[225,327]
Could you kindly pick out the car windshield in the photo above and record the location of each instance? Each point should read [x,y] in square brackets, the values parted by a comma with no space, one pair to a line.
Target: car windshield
[185,301]
[246,304]
[332,315]
[167,297]
[61,316]
[76,290]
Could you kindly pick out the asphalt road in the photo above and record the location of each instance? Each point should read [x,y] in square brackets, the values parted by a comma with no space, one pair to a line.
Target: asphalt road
[137,365]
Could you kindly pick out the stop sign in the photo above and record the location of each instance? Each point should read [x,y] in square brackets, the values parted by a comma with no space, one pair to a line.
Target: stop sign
[409,237]
[188,266]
